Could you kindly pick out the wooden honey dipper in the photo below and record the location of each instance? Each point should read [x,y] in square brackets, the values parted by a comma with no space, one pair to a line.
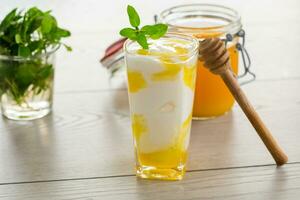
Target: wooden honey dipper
[216,58]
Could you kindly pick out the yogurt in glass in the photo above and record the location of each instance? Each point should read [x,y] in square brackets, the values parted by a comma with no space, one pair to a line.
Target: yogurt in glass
[161,84]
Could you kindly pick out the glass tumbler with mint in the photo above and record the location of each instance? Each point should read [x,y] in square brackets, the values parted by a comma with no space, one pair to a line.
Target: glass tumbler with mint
[28,42]
[161,71]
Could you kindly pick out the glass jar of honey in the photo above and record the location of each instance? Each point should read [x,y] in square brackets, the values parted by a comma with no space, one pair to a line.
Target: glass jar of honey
[212,98]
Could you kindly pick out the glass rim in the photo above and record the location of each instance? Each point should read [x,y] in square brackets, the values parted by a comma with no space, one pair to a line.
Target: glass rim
[194,41]
[233,24]
[20,58]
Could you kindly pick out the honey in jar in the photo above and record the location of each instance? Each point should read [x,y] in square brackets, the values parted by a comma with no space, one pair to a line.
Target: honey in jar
[212,98]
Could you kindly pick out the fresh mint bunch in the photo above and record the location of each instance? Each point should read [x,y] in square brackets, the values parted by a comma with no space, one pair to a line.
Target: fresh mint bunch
[30,34]
[140,35]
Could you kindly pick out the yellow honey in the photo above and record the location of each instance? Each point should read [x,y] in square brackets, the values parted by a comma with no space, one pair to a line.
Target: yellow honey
[170,71]
[139,126]
[136,81]
[171,157]
[189,75]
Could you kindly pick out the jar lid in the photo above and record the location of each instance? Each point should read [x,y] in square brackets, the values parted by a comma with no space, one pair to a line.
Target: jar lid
[207,19]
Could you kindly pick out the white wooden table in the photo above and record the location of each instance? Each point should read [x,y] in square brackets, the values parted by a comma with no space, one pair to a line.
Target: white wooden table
[84,150]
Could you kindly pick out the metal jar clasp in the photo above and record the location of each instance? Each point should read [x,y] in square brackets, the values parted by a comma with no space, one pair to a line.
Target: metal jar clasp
[247,75]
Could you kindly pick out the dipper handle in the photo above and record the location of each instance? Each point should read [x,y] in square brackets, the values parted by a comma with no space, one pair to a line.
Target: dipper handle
[215,56]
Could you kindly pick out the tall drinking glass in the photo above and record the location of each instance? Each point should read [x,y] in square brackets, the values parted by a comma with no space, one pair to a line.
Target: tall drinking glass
[161,84]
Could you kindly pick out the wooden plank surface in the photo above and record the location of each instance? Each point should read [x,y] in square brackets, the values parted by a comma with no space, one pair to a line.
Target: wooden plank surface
[89,135]
[258,183]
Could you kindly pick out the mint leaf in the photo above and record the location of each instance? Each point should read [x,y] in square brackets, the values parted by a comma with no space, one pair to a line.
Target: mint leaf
[18,38]
[159,31]
[25,75]
[142,40]
[35,45]
[149,29]
[133,16]
[45,72]
[41,80]
[33,12]
[59,32]
[155,31]
[6,22]
[129,33]
[24,51]
[33,24]
[47,23]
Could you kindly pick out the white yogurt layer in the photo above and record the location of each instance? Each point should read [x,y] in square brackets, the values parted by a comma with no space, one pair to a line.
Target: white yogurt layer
[161,84]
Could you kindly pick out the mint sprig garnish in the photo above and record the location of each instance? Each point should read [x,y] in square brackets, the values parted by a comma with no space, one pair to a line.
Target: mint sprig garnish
[140,35]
